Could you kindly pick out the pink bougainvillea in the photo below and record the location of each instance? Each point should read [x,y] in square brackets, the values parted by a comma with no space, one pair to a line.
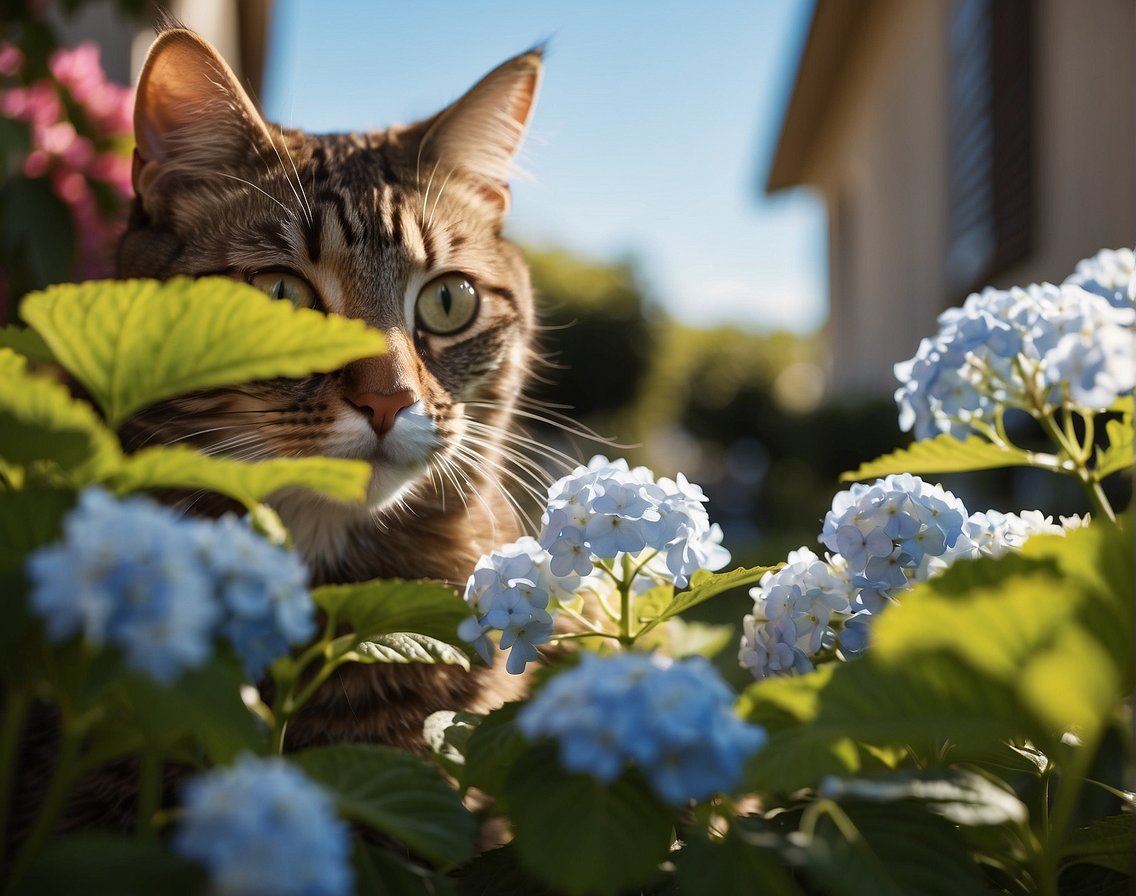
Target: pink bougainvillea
[79,127]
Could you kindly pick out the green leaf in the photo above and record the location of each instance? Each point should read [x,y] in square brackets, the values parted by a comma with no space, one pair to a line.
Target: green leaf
[492,749]
[26,342]
[250,482]
[406,647]
[703,586]
[581,835]
[203,706]
[498,873]
[132,343]
[379,872]
[82,864]
[942,454]
[396,794]
[1106,842]
[1118,455]
[741,864]
[386,606]
[40,421]
[29,519]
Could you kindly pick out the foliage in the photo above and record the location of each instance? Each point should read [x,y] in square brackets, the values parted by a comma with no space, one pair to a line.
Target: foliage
[969,744]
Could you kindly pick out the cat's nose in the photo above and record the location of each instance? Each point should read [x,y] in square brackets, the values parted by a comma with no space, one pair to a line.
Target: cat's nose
[383,408]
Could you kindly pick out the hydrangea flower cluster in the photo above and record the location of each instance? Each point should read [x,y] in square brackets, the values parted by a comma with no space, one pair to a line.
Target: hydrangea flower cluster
[674,721]
[160,587]
[882,538]
[79,127]
[262,828]
[597,516]
[1036,349]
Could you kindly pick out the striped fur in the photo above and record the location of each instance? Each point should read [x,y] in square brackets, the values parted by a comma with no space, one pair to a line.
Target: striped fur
[367,219]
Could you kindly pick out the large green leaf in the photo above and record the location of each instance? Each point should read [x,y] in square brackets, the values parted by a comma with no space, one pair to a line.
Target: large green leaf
[250,482]
[492,749]
[944,454]
[382,872]
[40,421]
[25,341]
[1106,842]
[396,794]
[703,586]
[980,655]
[132,343]
[739,864]
[581,835]
[385,606]
[93,863]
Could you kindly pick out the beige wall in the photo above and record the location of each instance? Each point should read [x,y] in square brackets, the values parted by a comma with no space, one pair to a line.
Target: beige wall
[880,162]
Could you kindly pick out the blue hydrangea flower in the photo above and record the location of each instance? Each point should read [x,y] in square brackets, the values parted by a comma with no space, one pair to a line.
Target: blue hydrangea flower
[882,538]
[160,587]
[673,720]
[1035,349]
[262,828]
[263,589]
[125,575]
[603,511]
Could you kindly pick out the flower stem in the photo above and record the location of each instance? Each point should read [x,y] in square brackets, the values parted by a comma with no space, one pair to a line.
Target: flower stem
[15,712]
[625,603]
[1078,456]
[61,780]
[149,791]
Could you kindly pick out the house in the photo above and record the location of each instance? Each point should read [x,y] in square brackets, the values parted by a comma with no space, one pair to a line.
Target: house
[956,144]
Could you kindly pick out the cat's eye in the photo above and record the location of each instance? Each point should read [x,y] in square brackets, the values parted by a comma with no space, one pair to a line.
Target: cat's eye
[282,285]
[447,304]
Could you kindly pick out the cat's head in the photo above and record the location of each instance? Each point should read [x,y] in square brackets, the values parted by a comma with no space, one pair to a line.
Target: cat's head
[401,228]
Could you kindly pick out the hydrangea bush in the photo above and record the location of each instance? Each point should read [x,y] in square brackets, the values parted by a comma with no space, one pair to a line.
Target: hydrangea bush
[930,699]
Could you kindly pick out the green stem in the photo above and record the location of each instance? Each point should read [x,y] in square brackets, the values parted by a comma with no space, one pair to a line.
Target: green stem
[1077,456]
[625,603]
[15,712]
[1064,805]
[53,802]
[149,791]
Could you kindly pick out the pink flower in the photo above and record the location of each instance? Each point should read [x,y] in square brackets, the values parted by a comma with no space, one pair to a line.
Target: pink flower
[11,60]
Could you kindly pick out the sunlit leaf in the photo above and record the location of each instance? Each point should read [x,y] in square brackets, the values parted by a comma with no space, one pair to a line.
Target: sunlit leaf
[132,343]
[25,341]
[703,586]
[396,794]
[1118,455]
[385,606]
[40,421]
[180,467]
[942,454]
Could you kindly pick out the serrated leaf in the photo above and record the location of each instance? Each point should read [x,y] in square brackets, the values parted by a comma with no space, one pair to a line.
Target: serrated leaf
[942,454]
[26,342]
[250,482]
[385,606]
[703,586]
[132,343]
[581,835]
[396,794]
[407,647]
[40,421]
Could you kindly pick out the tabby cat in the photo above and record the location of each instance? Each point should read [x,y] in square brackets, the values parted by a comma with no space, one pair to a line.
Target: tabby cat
[401,228]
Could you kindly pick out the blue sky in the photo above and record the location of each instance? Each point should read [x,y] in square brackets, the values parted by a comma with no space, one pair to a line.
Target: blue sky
[651,138]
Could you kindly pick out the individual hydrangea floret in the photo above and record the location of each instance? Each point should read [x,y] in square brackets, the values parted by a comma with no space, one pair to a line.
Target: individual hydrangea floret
[125,575]
[160,587]
[263,589]
[262,828]
[674,721]
[1034,349]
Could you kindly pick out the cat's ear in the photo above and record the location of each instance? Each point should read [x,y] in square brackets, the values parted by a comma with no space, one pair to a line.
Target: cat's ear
[190,112]
[480,134]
